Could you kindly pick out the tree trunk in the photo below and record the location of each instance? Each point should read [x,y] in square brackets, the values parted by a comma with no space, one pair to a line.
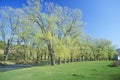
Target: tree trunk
[6,51]
[52,57]
[59,61]
[71,60]
[45,56]
[51,53]
[6,55]
[31,55]
[68,60]
[37,57]
[25,55]
[77,59]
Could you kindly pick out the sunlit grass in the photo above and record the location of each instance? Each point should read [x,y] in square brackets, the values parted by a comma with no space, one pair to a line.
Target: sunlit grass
[96,70]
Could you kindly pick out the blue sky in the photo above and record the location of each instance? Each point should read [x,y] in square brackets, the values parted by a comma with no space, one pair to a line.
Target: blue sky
[102,16]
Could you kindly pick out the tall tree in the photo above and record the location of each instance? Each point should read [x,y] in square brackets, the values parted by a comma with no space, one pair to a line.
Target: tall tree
[54,22]
[10,21]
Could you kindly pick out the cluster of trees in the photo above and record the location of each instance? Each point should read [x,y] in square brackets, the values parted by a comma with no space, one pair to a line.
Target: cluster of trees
[48,31]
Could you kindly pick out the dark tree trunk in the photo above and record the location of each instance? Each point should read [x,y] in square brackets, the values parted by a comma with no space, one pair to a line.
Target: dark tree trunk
[45,56]
[71,60]
[52,57]
[68,60]
[64,61]
[38,56]
[51,53]
[77,59]
[59,61]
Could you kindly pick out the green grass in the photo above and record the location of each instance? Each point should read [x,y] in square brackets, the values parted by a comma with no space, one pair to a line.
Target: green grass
[70,71]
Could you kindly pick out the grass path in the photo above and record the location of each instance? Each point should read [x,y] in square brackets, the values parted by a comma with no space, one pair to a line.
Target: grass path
[71,71]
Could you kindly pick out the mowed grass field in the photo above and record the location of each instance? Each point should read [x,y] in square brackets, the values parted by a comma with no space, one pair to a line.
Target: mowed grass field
[90,70]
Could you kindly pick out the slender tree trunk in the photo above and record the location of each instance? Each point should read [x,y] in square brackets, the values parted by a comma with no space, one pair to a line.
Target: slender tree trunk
[48,57]
[37,57]
[64,61]
[6,55]
[45,56]
[16,57]
[71,60]
[31,55]
[6,51]
[25,55]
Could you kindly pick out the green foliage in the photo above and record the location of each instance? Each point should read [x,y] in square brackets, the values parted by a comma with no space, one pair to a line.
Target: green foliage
[44,31]
[2,45]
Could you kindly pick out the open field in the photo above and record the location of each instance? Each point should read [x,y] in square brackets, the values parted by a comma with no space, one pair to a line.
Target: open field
[72,71]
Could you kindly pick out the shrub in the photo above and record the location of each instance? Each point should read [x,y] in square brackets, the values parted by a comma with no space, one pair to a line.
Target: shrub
[1,57]
[115,64]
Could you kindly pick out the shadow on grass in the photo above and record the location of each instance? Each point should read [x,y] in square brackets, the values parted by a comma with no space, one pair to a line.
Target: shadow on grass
[115,77]
[5,68]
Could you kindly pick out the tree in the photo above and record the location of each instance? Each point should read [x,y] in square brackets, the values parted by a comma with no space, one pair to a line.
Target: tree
[51,32]
[54,22]
[10,21]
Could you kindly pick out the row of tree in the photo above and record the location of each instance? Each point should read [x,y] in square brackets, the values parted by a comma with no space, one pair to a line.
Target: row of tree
[48,31]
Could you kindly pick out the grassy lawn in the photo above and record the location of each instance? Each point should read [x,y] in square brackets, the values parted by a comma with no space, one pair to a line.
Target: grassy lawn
[70,71]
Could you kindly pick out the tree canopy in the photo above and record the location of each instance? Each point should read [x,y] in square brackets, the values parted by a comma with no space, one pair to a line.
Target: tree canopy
[49,32]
